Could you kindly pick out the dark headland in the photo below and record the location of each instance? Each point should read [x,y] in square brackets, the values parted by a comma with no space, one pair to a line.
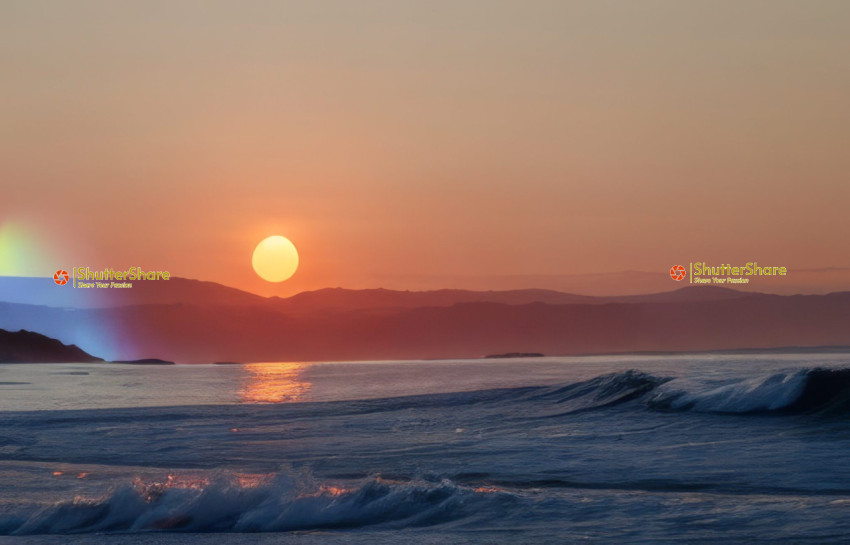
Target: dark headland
[28,347]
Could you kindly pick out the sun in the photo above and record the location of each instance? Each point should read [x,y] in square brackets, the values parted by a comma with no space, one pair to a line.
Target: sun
[275,259]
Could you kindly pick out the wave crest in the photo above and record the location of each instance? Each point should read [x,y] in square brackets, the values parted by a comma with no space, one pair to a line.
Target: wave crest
[799,391]
[228,503]
[603,391]
[805,391]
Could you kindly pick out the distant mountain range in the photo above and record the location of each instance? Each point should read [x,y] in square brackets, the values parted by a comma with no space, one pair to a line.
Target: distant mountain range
[43,291]
[193,321]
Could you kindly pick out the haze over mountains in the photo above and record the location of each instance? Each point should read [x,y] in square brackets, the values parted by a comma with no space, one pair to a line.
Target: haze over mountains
[194,321]
[43,291]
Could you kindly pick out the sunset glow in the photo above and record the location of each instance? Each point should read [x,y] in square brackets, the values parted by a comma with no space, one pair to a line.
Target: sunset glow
[274,383]
[653,139]
[479,271]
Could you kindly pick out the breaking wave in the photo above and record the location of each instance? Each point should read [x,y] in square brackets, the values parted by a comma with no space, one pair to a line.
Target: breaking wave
[805,391]
[259,503]
[277,502]
[801,391]
[604,391]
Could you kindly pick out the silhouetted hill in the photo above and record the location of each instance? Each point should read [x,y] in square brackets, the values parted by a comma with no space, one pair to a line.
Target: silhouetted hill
[340,299]
[28,347]
[43,291]
[686,294]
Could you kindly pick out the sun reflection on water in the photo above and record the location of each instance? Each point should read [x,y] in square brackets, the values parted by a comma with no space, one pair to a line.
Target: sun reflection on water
[274,383]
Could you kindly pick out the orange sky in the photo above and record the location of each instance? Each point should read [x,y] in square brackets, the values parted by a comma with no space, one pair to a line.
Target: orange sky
[416,145]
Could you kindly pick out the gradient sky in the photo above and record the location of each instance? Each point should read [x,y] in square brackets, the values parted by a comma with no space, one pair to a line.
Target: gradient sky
[409,145]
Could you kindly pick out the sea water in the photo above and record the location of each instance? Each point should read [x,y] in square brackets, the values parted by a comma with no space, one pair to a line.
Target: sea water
[621,449]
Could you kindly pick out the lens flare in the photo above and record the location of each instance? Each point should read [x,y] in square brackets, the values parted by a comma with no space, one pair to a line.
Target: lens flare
[23,252]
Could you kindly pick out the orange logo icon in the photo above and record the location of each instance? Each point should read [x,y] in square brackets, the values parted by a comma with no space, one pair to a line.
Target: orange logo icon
[677,272]
[61,277]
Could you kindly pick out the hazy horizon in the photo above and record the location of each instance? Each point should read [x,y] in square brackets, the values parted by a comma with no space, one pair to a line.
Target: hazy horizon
[592,220]
[611,284]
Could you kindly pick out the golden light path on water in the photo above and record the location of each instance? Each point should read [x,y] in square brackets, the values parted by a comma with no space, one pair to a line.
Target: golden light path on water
[274,383]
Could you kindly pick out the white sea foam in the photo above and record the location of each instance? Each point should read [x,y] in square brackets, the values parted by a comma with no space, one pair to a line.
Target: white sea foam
[764,393]
[279,503]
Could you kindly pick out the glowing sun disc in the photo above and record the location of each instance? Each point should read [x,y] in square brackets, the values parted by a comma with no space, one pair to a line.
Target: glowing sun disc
[275,259]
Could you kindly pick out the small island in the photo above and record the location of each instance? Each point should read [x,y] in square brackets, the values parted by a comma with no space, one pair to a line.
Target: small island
[145,361]
[515,355]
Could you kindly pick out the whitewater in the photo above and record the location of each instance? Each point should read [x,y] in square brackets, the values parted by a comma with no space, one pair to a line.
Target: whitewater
[696,448]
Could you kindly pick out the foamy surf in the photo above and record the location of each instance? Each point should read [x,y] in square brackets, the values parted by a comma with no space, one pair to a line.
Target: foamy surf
[268,503]
[616,450]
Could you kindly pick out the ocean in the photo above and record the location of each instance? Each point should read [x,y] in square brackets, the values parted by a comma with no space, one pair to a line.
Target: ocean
[746,448]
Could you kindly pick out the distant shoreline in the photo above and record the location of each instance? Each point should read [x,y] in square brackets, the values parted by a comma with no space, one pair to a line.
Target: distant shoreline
[490,357]
[516,355]
[827,349]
